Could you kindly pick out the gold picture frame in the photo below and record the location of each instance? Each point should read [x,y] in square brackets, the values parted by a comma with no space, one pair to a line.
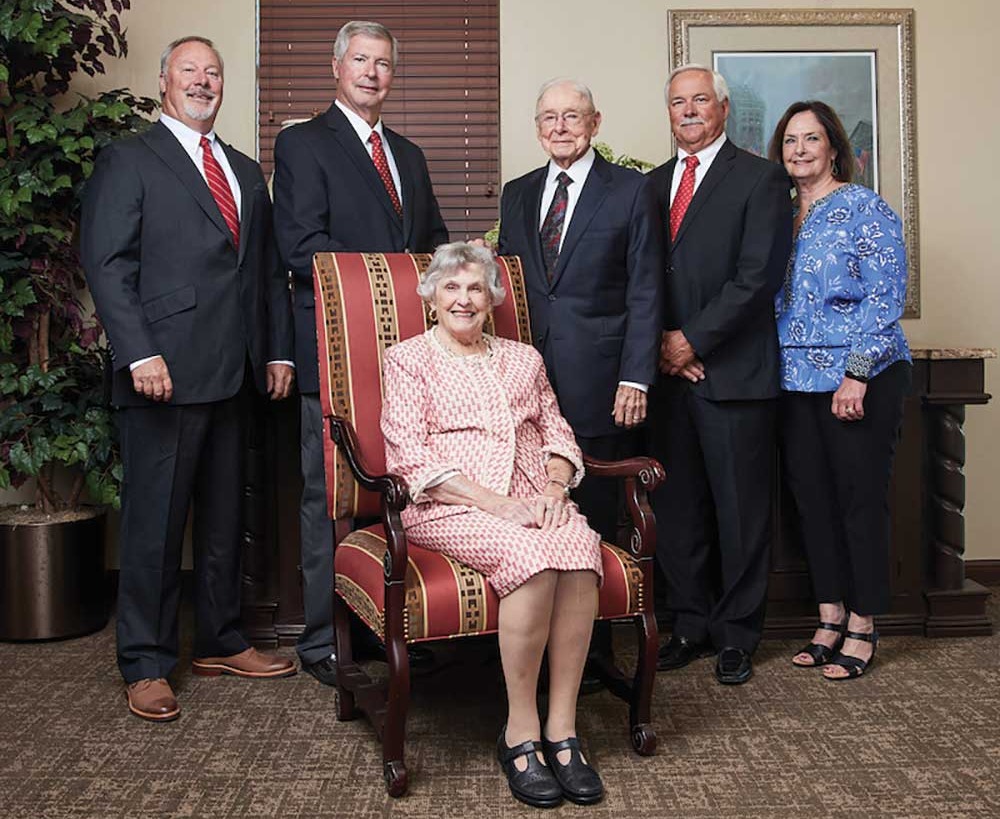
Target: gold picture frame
[697,36]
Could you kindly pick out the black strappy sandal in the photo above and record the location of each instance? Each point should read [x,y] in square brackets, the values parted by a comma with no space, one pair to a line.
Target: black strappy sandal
[821,654]
[854,666]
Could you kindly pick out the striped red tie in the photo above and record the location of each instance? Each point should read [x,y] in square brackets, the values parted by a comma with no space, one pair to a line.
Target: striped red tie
[221,192]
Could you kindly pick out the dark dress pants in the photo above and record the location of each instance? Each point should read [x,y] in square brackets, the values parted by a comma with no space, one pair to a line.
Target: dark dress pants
[173,456]
[713,512]
[838,473]
[316,641]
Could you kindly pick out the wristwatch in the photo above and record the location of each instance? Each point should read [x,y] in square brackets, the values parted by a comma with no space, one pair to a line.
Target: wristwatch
[563,484]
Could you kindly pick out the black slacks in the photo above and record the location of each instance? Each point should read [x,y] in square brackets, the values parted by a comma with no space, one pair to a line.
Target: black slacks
[713,512]
[173,456]
[838,473]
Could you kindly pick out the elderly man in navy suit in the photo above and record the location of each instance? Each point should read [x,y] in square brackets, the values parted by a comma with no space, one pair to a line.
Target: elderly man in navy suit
[342,182]
[588,235]
[178,250]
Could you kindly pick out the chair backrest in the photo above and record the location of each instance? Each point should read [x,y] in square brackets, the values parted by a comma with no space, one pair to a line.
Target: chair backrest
[365,303]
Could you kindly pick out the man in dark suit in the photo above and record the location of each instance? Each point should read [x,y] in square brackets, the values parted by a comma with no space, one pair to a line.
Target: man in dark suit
[727,217]
[178,251]
[588,236]
[593,281]
[342,182]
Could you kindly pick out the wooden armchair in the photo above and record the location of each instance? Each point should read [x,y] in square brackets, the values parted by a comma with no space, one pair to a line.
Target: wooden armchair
[405,594]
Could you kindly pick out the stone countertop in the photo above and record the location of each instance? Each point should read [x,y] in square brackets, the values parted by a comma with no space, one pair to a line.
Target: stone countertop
[946,353]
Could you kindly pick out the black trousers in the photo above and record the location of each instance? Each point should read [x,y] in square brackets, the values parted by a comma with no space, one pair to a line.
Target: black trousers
[838,473]
[713,512]
[173,456]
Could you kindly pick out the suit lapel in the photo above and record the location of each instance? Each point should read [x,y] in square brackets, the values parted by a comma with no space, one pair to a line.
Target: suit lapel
[348,139]
[722,165]
[532,215]
[248,183]
[594,192]
[166,146]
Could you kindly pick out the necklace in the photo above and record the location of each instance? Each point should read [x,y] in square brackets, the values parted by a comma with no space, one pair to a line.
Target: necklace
[479,355]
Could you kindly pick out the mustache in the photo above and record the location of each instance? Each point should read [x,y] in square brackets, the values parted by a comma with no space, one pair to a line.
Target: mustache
[692,121]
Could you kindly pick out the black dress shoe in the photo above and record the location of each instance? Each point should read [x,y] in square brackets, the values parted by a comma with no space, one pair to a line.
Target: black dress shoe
[679,651]
[535,785]
[580,783]
[324,670]
[734,666]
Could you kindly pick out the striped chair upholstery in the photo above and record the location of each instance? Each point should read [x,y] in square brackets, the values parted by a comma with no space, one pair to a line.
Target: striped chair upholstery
[444,599]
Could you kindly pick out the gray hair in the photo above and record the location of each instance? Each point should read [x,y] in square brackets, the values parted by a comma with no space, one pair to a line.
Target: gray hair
[576,85]
[718,81]
[450,258]
[366,28]
[193,38]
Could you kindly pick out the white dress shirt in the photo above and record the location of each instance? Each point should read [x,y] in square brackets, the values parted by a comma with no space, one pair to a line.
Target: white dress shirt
[706,156]
[364,131]
[578,172]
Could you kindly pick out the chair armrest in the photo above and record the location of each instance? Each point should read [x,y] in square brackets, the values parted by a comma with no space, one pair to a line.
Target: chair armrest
[394,492]
[641,476]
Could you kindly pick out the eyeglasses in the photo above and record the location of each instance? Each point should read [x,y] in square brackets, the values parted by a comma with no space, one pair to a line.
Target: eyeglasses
[571,119]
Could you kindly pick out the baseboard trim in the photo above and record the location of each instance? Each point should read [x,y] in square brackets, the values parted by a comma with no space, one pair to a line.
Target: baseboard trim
[985,572]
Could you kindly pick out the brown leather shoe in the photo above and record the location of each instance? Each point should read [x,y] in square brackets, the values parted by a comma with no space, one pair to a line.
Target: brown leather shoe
[249,663]
[153,700]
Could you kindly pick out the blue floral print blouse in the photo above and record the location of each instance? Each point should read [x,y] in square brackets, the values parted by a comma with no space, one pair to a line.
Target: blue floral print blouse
[844,293]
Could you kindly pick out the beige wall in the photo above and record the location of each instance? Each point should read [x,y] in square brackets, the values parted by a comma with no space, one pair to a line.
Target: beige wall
[621,51]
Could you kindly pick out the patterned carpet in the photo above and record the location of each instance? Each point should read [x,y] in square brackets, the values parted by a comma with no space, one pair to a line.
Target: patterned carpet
[919,737]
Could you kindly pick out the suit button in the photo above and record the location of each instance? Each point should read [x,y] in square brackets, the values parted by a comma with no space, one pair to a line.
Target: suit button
[552,296]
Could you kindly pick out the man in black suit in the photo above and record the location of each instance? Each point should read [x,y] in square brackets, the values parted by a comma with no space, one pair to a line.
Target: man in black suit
[588,236]
[342,182]
[178,251]
[727,217]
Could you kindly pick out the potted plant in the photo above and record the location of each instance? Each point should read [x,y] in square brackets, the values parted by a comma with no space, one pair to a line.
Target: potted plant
[56,429]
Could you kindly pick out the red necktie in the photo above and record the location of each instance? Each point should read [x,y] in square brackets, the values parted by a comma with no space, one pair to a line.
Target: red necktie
[685,192]
[382,166]
[221,192]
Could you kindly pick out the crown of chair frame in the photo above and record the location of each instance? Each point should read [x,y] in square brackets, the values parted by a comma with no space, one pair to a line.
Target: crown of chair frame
[365,302]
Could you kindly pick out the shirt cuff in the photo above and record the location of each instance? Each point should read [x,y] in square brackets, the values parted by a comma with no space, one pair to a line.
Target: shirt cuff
[282,361]
[635,385]
[142,361]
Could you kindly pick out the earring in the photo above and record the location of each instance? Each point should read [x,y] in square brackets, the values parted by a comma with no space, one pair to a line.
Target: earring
[833,168]
[432,313]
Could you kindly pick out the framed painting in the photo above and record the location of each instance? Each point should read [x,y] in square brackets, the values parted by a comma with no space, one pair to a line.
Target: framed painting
[859,61]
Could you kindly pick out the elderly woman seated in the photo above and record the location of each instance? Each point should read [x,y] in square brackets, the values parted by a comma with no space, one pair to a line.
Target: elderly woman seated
[471,423]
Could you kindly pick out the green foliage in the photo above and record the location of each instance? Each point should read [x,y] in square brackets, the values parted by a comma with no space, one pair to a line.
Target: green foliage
[51,403]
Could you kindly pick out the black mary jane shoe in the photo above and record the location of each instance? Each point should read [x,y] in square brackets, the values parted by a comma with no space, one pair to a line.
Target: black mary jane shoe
[535,785]
[580,783]
[854,666]
[821,654]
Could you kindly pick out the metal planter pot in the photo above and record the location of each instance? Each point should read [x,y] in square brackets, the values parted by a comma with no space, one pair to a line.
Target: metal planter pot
[53,583]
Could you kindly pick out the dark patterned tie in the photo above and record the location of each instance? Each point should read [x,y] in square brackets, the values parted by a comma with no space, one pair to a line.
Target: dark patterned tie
[684,195]
[221,192]
[551,232]
[382,166]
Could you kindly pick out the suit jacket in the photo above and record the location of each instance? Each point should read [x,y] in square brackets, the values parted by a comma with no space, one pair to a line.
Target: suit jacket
[436,419]
[167,279]
[724,267]
[328,197]
[598,321]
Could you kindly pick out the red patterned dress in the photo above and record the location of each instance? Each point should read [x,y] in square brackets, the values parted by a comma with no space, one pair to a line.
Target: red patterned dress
[494,419]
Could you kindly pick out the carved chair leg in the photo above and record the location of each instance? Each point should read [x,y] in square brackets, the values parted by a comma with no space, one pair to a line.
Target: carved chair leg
[394,727]
[642,733]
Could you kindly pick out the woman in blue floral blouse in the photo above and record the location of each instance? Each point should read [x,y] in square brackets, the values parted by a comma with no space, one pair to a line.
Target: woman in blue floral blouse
[845,370]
